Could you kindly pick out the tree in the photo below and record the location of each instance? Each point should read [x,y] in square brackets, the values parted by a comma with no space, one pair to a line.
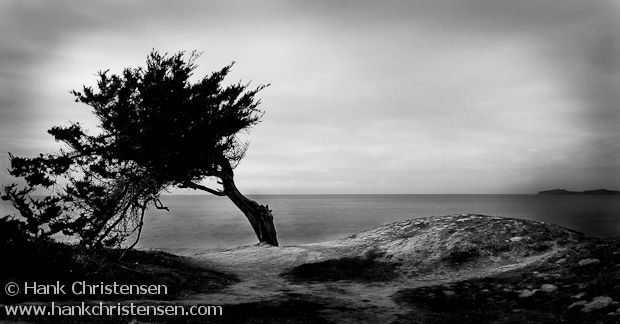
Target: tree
[156,129]
[100,203]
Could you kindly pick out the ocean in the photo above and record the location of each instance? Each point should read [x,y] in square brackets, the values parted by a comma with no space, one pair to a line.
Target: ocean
[214,222]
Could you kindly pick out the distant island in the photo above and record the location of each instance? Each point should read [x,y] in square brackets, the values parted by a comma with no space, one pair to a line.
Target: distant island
[587,192]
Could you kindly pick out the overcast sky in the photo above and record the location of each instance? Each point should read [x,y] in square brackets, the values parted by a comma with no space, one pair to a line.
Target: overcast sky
[450,96]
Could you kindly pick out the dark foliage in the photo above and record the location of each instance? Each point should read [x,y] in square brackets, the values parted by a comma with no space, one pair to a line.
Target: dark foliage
[46,262]
[155,117]
[361,269]
[462,254]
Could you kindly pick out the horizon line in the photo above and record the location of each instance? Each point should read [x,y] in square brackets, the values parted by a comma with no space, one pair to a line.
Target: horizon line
[348,194]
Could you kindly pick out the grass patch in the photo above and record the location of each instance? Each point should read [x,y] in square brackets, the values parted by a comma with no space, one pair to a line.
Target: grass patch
[46,262]
[461,255]
[359,269]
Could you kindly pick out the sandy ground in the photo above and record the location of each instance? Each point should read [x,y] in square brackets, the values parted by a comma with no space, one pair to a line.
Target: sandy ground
[420,246]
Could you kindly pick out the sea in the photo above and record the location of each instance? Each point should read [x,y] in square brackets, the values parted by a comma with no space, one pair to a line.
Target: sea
[210,222]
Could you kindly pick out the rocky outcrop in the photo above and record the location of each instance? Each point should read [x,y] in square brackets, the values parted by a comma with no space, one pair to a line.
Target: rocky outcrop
[586,192]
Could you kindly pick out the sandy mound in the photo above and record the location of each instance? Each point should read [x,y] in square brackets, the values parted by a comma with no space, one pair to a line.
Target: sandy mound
[424,250]
[419,245]
[465,241]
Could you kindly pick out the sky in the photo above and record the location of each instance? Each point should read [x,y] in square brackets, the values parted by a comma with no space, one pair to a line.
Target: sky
[422,97]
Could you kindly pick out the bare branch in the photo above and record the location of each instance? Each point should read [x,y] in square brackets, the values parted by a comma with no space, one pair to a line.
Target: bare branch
[196,186]
[140,225]
[159,205]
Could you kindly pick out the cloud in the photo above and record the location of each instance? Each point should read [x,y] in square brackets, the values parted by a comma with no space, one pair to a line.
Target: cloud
[390,96]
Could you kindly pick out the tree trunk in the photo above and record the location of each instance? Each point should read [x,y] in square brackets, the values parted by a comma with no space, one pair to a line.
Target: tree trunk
[260,217]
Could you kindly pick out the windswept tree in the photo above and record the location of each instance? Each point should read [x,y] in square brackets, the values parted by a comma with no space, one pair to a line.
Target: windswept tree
[157,129]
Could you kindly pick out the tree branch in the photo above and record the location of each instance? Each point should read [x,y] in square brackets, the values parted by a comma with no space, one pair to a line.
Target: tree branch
[159,205]
[195,186]
[140,225]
